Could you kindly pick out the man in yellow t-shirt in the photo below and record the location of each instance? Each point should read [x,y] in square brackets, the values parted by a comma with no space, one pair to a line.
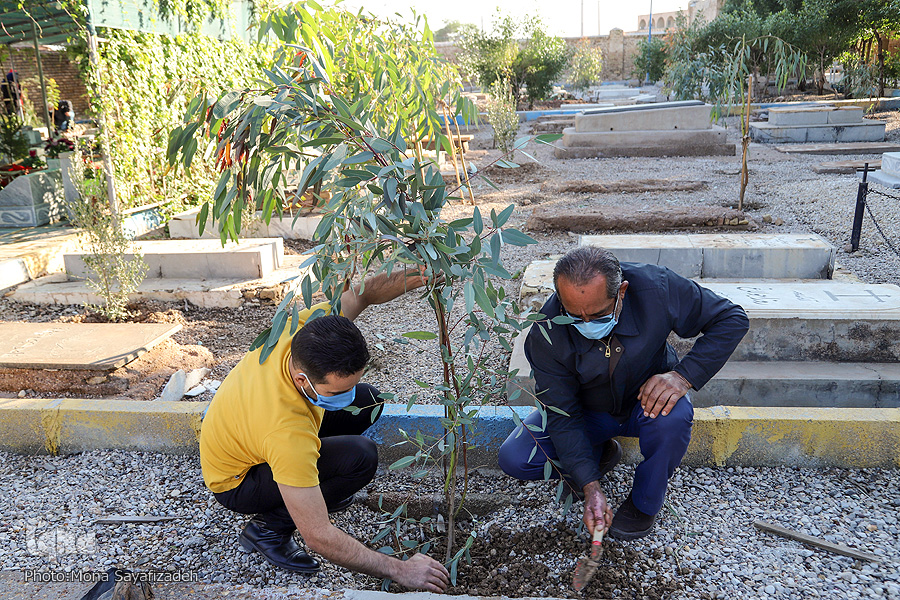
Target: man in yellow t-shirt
[275,442]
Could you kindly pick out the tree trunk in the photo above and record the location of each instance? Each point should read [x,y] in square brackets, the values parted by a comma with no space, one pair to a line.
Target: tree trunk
[880,41]
[745,143]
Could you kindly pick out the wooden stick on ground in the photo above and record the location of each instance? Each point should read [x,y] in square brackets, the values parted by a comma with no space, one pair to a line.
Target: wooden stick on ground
[452,146]
[816,542]
[462,157]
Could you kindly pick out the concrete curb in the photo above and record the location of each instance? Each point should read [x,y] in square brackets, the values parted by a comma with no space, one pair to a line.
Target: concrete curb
[722,436]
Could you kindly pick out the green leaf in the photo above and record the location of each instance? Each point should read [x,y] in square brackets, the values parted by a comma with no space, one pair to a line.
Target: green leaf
[477,222]
[548,470]
[403,462]
[515,237]
[420,335]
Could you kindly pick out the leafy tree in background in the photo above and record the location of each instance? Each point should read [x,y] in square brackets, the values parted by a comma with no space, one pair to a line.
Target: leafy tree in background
[650,61]
[520,51]
[585,65]
[824,34]
[450,31]
[874,20]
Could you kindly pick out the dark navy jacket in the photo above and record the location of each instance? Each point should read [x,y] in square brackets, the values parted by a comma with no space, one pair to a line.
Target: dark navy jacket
[572,373]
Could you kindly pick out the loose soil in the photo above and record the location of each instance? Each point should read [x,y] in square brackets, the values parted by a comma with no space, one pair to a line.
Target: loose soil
[507,562]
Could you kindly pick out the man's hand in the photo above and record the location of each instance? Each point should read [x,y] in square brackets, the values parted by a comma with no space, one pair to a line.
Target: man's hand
[307,508]
[421,572]
[659,394]
[597,511]
[379,289]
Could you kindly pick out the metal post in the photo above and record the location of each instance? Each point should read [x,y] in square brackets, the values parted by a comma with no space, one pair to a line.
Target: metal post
[860,208]
[650,31]
[104,142]
[40,67]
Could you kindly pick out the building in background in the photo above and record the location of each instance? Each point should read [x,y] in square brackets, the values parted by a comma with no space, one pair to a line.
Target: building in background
[664,21]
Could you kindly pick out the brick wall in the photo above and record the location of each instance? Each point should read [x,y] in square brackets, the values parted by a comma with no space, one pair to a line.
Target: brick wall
[619,49]
[56,65]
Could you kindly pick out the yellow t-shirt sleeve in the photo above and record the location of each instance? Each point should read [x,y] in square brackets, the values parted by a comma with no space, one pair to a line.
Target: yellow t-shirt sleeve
[293,453]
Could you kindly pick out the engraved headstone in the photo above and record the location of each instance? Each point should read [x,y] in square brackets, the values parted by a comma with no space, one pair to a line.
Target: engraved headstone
[78,346]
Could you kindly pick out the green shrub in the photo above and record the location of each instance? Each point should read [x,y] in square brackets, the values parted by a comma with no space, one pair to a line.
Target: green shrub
[532,64]
[650,61]
[585,65]
[501,110]
[13,143]
[115,274]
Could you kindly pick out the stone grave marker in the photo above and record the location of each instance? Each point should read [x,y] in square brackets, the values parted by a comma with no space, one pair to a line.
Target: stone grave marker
[889,174]
[78,346]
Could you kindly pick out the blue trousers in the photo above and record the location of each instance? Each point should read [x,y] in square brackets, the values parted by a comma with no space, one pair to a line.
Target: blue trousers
[663,442]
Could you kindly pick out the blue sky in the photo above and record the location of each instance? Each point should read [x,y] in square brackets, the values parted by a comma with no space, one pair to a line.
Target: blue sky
[563,17]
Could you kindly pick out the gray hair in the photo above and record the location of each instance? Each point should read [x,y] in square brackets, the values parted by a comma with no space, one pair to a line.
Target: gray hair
[583,264]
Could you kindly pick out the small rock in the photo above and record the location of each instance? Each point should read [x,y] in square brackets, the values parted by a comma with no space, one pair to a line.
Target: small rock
[194,378]
[195,391]
[96,380]
[174,493]
[213,384]
[194,542]
[767,218]
[779,221]
[770,590]
[175,387]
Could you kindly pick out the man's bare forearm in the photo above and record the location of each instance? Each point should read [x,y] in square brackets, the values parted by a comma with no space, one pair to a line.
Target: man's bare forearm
[379,289]
[341,549]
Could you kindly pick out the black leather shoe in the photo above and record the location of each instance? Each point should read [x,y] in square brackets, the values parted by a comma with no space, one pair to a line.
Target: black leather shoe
[342,505]
[277,547]
[629,523]
[612,454]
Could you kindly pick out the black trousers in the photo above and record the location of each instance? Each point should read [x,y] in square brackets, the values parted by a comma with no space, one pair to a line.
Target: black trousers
[347,463]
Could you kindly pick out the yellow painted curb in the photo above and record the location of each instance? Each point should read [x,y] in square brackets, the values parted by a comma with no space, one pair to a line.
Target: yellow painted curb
[722,435]
[67,425]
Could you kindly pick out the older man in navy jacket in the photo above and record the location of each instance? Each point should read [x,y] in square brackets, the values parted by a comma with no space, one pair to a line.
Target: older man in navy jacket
[612,373]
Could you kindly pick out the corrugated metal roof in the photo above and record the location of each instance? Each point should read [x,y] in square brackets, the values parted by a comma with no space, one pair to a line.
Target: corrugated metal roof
[55,25]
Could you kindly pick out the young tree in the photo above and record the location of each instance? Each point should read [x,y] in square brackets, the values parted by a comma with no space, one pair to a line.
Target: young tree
[384,213]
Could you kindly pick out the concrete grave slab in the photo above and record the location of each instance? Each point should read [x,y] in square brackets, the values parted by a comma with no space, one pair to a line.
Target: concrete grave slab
[585,218]
[801,383]
[681,142]
[289,227]
[881,178]
[815,115]
[742,256]
[665,116]
[816,321]
[868,131]
[677,252]
[92,346]
[890,163]
[845,167]
[207,293]
[199,259]
[848,148]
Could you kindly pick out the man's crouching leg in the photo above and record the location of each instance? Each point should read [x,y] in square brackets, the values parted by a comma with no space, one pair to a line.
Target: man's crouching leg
[664,441]
[271,531]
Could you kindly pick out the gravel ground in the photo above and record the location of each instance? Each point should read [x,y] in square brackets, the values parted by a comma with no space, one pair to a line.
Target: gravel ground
[705,546]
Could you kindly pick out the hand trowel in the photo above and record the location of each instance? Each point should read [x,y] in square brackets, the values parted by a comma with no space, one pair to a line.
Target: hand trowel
[587,565]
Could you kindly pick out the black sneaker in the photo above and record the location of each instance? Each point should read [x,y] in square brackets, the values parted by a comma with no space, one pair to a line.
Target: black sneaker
[629,523]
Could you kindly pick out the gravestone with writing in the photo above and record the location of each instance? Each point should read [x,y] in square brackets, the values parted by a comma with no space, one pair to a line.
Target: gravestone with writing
[78,346]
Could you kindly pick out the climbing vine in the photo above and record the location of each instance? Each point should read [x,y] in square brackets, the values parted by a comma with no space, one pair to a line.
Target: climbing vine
[146,82]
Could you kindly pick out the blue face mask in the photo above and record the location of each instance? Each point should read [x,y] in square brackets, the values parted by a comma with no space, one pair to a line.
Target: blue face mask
[336,402]
[598,328]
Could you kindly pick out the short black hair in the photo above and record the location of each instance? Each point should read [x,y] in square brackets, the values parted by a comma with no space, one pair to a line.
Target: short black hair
[329,344]
[580,266]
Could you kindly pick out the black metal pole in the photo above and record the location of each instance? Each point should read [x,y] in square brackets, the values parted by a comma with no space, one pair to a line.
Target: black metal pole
[860,209]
